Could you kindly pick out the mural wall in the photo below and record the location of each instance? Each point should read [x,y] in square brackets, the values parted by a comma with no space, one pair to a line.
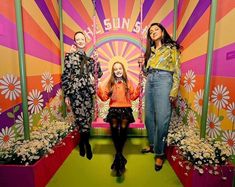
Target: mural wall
[193,25]
[117,38]
[43,68]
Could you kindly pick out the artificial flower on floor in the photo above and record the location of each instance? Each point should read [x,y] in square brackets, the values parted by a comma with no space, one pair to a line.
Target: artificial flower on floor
[197,153]
[41,143]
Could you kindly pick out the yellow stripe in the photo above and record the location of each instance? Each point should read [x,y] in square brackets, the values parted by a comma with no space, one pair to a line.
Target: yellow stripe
[33,10]
[9,61]
[190,8]
[221,30]
[114,8]
[134,14]
[34,66]
[163,12]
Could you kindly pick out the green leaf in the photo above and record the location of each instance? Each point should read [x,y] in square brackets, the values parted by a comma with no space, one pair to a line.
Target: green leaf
[16,109]
[10,115]
[221,118]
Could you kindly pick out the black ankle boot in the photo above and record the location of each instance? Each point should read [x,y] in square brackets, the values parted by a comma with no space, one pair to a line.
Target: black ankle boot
[89,154]
[81,149]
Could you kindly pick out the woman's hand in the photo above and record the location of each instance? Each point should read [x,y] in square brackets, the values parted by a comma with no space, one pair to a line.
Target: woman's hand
[173,101]
[67,101]
[141,61]
[73,48]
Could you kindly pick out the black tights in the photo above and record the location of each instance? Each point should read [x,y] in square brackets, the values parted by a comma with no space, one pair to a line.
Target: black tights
[119,133]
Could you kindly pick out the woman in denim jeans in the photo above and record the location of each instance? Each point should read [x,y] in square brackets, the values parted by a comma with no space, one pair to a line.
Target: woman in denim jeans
[161,65]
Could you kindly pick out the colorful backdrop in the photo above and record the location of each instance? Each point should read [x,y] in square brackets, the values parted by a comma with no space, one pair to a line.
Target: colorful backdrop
[117,38]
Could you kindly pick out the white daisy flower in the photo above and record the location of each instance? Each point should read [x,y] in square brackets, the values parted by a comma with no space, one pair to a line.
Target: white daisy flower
[220,96]
[191,118]
[47,81]
[19,123]
[182,108]
[54,108]
[189,81]
[229,138]
[10,86]
[7,136]
[198,102]
[35,101]
[213,125]
[45,117]
[59,94]
[231,112]
[103,108]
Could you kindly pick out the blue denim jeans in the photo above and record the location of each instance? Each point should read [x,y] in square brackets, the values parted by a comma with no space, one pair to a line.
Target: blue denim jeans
[158,109]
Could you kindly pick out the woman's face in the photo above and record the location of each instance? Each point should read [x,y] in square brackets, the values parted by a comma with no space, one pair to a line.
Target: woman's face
[80,40]
[155,33]
[118,70]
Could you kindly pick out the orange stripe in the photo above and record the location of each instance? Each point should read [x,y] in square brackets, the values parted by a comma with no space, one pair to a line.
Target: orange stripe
[53,12]
[7,9]
[199,29]
[226,81]
[224,8]
[106,8]
[81,11]
[156,6]
[33,82]
[183,9]
[68,32]
[129,8]
[31,27]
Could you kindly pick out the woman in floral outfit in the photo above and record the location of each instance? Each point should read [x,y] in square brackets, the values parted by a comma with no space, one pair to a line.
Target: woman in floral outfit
[77,84]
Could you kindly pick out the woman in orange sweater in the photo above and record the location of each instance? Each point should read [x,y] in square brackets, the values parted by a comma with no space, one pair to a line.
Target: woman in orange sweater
[120,91]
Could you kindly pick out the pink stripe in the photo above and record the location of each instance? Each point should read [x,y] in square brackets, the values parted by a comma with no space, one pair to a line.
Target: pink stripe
[221,66]
[121,8]
[32,46]
[68,8]
[168,19]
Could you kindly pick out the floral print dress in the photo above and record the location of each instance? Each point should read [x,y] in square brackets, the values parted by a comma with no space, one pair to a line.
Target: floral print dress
[77,85]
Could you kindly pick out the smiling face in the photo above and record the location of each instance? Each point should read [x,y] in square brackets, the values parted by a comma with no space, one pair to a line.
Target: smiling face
[80,40]
[118,70]
[155,33]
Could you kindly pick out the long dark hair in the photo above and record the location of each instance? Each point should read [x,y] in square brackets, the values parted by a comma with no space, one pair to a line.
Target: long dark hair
[166,40]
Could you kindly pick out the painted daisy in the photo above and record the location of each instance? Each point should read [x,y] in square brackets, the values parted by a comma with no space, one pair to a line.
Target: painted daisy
[231,112]
[47,81]
[191,118]
[220,96]
[54,107]
[7,136]
[103,108]
[45,117]
[182,108]
[213,125]
[229,138]
[189,81]
[19,123]
[10,86]
[198,101]
[59,94]
[35,101]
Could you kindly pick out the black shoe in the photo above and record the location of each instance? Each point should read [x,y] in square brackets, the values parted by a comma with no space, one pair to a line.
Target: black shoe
[81,149]
[89,152]
[147,150]
[157,167]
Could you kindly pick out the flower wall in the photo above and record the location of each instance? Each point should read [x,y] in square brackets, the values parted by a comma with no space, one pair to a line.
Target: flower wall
[43,67]
[192,29]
